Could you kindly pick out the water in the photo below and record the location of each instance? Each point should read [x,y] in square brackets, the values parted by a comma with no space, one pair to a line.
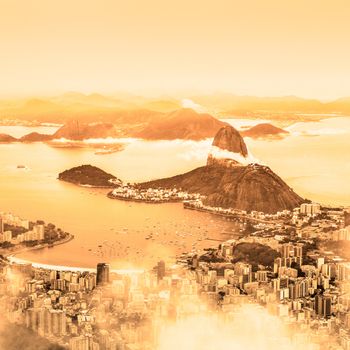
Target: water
[314,160]
[19,131]
[104,229]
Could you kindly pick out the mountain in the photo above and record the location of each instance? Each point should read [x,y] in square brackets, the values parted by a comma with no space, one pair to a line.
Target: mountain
[88,175]
[75,130]
[184,124]
[230,184]
[264,130]
[4,138]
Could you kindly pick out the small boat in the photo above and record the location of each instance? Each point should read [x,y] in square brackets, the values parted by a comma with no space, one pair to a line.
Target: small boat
[20,166]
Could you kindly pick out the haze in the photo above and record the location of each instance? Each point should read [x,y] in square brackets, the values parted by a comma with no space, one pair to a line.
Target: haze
[253,47]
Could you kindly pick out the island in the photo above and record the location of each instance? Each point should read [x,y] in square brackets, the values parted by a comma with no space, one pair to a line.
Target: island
[265,130]
[89,176]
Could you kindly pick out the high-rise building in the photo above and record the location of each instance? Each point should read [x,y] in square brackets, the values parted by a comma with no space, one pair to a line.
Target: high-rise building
[39,231]
[323,305]
[102,273]
[160,270]
[287,250]
[261,276]
[320,262]
[83,342]
[310,208]
[1,225]
[298,251]
[289,253]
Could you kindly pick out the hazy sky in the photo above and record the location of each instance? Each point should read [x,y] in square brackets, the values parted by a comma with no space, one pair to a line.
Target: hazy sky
[262,47]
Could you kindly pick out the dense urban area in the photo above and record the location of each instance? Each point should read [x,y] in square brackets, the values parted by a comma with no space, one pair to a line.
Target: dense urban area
[295,265]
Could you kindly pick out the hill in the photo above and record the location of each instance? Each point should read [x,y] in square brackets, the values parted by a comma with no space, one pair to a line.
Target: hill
[254,253]
[264,130]
[35,137]
[4,138]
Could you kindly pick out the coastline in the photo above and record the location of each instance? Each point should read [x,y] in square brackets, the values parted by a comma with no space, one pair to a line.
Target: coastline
[84,185]
[129,199]
[12,254]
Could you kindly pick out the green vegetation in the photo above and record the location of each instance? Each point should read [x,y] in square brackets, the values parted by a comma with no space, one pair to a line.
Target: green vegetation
[87,175]
[254,253]
[211,256]
[16,230]
[6,245]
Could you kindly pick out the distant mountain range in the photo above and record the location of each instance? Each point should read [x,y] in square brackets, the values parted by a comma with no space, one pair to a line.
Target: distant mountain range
[179,124]
[127,108]
[183,124]
[232,104]
[99,116]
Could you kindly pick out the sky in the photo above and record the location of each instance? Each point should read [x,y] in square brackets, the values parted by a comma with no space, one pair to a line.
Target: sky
[246,47]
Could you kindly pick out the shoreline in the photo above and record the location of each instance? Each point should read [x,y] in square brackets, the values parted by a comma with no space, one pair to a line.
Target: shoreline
[12,254]
[128,199]
[231,216]
[85,185]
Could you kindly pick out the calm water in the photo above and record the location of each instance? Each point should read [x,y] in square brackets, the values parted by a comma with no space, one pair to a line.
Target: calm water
[104,229]
[314,160]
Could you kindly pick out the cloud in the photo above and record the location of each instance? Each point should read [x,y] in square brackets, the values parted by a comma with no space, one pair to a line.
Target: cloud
[249,327]
[331,126]
[219,153]
[187,103]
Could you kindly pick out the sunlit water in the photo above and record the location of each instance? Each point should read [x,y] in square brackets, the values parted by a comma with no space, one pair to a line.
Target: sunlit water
[314,160]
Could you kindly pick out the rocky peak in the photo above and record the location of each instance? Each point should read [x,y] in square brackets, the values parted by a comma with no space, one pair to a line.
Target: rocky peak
[228,148]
